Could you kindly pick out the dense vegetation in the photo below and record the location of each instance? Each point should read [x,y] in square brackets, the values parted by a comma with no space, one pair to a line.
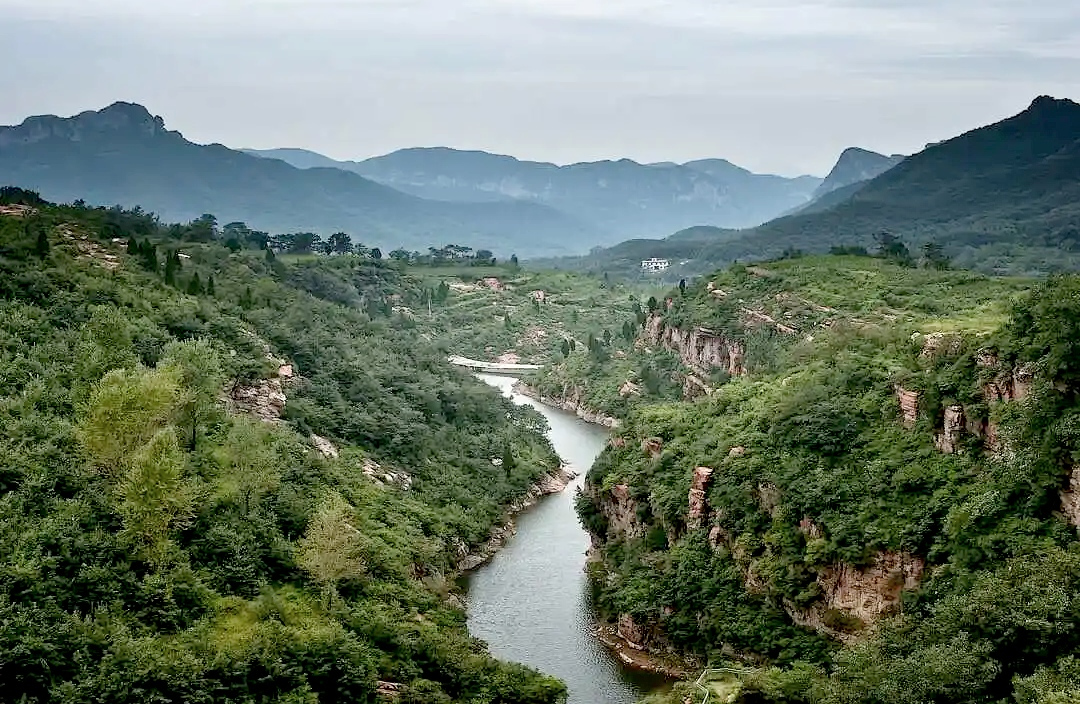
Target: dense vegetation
[161,545]
[814,471]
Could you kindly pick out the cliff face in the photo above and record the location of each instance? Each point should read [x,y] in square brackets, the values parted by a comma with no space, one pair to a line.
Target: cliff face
[855,598]
[700,349]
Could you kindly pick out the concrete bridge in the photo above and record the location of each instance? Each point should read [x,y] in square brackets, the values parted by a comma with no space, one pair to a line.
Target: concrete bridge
[492,367]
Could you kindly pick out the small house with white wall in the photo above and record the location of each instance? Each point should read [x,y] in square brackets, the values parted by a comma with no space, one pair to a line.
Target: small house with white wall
[653,265]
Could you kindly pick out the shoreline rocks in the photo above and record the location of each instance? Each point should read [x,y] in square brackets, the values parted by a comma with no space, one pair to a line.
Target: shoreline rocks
[570,402]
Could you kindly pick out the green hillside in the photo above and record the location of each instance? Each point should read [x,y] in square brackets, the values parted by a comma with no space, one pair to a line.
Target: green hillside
[232,477]
[877,507]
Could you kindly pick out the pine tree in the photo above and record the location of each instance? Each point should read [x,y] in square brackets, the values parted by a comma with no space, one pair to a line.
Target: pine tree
[194,285]
[210,285]
[171,265]
[41,245]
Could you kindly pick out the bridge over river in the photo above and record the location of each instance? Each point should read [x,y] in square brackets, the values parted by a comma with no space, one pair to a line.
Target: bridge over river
[492,367]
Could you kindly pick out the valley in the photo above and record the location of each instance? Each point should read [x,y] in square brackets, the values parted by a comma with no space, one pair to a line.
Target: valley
[828,458]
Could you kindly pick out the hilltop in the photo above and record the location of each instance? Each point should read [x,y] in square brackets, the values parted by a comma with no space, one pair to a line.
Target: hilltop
[1002,198]
[621,197]
[123,154]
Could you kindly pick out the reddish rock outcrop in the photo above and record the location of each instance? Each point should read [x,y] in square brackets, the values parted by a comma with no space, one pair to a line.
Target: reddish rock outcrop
[633,634]
[696,500]
[854,598]
[948,441]
[694,387]
[628,389]
[652,447]
[909,405]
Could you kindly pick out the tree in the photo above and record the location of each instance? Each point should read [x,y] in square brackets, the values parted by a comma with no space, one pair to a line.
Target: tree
[249,461]
[934,256]
[890,247]
[339,243]
[565,348]
[508,461]
[210,285]
[376,253]
[198,367]
[400,255]
[172,265]
[125,409]
[154,498]
[203,228]
[652,304]
[514,262]
[331,549]
[682,287]
[41,241]
[194,287]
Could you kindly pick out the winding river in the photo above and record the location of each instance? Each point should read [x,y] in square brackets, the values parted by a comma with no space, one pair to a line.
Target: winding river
[530,602]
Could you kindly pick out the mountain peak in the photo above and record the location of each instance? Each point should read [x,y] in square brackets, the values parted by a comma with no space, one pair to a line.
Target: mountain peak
[120,117]
[854,165]
[1048,102]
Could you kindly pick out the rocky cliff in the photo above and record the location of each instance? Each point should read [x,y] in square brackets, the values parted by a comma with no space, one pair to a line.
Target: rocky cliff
[703,351]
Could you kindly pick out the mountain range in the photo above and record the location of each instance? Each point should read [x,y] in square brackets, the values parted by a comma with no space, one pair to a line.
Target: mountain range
[1004,198]
[621,196]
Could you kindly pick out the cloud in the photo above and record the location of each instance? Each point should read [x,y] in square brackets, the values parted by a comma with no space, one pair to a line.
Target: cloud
[774,85]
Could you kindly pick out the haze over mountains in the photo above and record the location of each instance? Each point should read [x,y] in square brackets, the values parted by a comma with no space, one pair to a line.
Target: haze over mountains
[1004,198]
[614,196]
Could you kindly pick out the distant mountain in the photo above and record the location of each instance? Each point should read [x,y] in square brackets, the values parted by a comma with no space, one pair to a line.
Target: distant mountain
[124,155]
[1003,198]
[622,196]
[856,165]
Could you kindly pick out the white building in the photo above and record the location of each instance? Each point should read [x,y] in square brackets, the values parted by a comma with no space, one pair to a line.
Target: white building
[650,266]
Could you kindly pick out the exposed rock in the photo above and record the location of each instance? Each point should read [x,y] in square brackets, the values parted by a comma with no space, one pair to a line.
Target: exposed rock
[652,447]
[696,501]
[389,690]
[17,211]
[810,529]
[617,441]
[264,399]
[285,371]
[1070,498]
[909,405]
[701,349]
[384,477]
[769,497]
[540,296]
[938,344]
[737,451]
[620,509]
[854,598]
[324,446]
[718,537]
[628,389]
[694,387]
[508,358]
[633,634]
[948,441]
[1014,385]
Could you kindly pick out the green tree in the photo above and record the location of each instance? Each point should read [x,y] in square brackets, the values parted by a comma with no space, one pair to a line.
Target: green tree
[376,253]
[210,285]
[331,550]
[340,243]
[249,462]
[124,411]
[41,242]
[154,497]
[194,287]
[201,378]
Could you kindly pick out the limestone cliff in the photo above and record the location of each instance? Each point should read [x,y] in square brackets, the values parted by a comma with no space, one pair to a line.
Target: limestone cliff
[703,351]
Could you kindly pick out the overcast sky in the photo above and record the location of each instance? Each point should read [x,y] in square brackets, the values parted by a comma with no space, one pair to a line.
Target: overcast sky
[774,85]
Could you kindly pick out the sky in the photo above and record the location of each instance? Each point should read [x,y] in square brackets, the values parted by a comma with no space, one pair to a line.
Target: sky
[778,86]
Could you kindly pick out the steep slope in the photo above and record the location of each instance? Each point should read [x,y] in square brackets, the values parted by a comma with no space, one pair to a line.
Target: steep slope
[617,196]
[124,155]
[855,165]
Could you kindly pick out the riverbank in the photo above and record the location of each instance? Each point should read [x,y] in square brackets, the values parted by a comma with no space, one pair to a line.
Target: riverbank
[552,483]
[571,405]
[664,664]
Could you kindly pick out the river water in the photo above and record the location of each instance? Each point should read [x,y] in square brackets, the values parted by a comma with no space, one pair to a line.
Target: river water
[530,602]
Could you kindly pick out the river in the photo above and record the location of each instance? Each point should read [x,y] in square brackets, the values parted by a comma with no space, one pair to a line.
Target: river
[530,602]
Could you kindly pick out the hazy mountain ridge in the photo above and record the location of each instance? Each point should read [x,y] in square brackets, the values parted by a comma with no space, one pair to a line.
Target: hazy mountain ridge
[619,196]
[854,165]
[1004,197]
[122,154]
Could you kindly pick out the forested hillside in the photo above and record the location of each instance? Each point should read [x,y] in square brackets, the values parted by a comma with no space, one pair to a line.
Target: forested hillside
[870,495]
[234,477]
